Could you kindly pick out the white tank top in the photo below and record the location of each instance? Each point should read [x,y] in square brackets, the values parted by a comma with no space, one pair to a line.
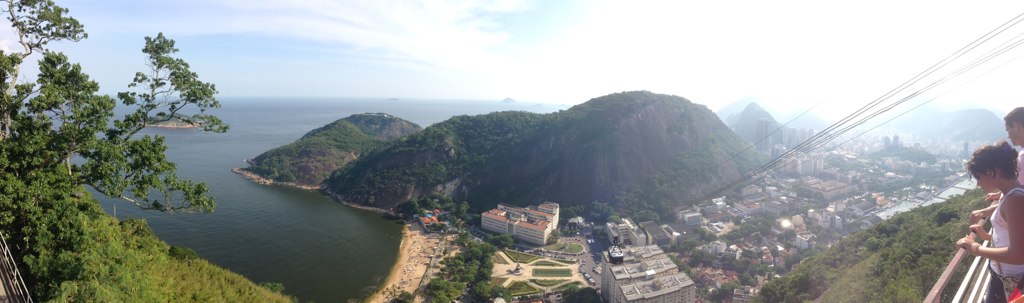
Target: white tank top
[1001,238]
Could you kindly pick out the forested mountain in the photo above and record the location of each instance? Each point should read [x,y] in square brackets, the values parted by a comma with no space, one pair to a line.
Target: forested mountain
[312,158]
[897,260]
[637,150]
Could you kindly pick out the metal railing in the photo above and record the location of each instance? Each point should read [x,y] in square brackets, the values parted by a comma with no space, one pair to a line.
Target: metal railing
[14,286]
[974,285]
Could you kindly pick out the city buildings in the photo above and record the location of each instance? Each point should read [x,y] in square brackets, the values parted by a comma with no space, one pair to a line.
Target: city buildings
[533,224]
[626,232]
[643,274]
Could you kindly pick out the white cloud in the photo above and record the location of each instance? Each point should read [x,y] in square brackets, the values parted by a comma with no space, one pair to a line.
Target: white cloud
[439,34]
[794,52]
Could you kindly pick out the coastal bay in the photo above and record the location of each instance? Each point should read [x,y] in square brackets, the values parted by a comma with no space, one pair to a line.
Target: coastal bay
[318,248]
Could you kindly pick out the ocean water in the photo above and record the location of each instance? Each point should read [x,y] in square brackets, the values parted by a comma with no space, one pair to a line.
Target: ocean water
[320,250]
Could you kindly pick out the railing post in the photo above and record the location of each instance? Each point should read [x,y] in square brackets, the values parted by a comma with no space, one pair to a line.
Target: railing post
[977,273]
[19,289]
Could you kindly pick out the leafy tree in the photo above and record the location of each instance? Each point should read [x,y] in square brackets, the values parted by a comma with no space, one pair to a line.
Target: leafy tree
[404,297]
[580,295]
[273,286]
[444,291]
[725,291]
[501,241]
[71,250]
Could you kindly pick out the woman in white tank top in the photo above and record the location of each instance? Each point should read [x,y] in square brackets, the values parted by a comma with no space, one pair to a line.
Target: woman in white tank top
[995,168]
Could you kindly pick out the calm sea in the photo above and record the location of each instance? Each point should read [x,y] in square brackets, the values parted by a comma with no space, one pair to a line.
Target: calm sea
[320,250]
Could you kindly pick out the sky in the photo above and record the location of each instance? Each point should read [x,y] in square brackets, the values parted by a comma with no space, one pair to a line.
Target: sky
[792,54]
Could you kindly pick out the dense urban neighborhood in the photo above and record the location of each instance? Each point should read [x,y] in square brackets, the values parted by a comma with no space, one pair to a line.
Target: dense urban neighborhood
[723,249]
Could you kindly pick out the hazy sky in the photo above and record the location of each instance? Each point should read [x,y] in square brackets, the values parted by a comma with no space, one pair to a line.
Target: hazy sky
[796,53]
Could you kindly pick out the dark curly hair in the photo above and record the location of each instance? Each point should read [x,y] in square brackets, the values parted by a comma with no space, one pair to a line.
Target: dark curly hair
[1001,157]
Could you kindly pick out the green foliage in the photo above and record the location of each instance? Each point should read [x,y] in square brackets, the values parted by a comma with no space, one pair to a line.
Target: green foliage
[405,297]
[520,257]
[547,283]
[519,288]
[596,151]
[571,248]
[552,272]
[273,286]
[896,260]
[581,295]
[484,291]
[471,266]
[182,253]
[66,247]
[312,158]
[444,291]
[546,263]
[502,241]
[498,259]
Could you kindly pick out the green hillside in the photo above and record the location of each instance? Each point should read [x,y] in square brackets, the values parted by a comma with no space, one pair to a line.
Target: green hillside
[897,260]
[73,251]
[640,150]
[312,158]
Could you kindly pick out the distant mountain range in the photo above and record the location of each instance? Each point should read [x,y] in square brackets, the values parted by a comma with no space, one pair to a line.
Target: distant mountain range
[926,122]
[730,114]
[960,125]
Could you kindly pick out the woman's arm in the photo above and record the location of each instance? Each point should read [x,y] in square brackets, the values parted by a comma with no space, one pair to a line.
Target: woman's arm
[1013,214]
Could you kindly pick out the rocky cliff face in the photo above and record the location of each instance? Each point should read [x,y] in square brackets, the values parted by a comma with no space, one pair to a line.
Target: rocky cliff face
[617,148]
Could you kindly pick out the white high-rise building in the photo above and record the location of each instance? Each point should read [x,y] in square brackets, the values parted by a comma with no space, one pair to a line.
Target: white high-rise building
[644,274]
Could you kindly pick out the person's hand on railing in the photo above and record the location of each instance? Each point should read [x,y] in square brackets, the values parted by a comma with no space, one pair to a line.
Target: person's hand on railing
[967,243]
[979,230]
[992,197]
[981,213]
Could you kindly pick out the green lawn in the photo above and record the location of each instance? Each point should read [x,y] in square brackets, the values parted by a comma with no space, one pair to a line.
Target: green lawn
[547,263]
[571,248]
[552,273]
[566,286]
[565,261]
[521,257]
[519,288]
[547,283]
[498,281]
[497,259]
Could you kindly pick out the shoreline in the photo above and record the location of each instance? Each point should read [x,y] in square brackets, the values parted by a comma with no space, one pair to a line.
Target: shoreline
[389,281]
[415,252]
[264,181]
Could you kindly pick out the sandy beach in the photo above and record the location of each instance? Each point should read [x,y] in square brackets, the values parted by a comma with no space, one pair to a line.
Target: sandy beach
[413,256]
